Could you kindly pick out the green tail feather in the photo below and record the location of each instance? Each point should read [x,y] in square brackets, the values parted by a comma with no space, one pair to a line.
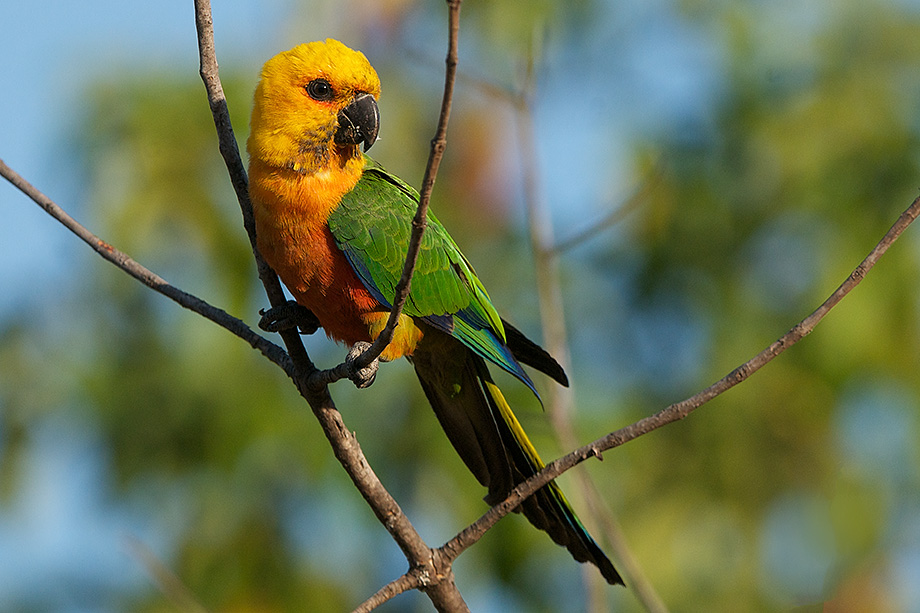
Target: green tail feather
[494,446]
[548,509]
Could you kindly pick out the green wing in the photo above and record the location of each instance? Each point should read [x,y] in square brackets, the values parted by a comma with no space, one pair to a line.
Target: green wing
[372,225]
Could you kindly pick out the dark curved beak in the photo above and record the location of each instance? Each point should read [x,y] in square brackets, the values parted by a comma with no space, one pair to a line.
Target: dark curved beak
[358,122]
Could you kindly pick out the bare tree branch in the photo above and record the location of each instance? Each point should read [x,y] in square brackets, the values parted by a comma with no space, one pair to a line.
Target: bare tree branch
[404,583]
[520,100]
[615,216]
[682,409]
[438,576]
[165,579]
[546,253]
[149,278]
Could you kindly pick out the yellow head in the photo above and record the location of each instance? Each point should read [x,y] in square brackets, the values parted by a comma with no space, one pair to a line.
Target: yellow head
[313,106]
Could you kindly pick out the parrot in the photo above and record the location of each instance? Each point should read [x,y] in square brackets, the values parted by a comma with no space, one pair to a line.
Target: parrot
[335,227]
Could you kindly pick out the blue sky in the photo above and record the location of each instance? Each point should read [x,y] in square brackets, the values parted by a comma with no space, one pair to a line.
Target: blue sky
[53,50]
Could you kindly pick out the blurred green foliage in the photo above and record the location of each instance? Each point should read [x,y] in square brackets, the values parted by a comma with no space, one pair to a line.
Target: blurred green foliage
[798,487]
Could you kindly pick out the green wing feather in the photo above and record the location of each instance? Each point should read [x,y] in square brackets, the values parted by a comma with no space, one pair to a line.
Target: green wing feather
[372,226]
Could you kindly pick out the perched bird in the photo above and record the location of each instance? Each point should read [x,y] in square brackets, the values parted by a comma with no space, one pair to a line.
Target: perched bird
[335,226]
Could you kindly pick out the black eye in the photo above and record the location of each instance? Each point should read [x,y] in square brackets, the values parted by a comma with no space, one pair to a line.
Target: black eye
[319,89]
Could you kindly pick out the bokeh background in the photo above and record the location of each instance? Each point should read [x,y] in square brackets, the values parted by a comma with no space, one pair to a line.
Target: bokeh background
[761,149]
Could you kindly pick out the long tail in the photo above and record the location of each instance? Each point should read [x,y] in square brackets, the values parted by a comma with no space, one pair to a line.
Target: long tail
[493,445]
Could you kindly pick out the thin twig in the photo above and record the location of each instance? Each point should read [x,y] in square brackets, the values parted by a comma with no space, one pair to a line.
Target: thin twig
[166,580]
[415,578]
[491,88]
[149,278]
[561,404]
[519,99]
[404,583]
[615,216]
[419,222]
[682,409]
[546,252]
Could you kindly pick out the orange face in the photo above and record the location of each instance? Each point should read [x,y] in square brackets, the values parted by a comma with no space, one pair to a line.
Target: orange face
[312,100]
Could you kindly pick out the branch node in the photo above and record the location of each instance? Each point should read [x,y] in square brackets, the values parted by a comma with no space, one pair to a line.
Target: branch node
[423,575]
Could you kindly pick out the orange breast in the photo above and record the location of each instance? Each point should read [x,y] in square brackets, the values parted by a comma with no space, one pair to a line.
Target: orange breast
[294,238]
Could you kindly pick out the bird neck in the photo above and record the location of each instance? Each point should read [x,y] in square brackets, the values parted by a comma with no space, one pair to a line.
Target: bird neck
[306,190]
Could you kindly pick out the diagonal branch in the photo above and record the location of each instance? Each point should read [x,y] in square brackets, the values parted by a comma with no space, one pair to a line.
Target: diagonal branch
[404,583]
[163,577]
[639,196]
[146,276]
[682,409]
[561,406]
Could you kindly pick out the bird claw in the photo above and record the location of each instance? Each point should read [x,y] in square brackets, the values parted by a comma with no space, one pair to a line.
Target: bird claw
[361,377]
[288,316]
